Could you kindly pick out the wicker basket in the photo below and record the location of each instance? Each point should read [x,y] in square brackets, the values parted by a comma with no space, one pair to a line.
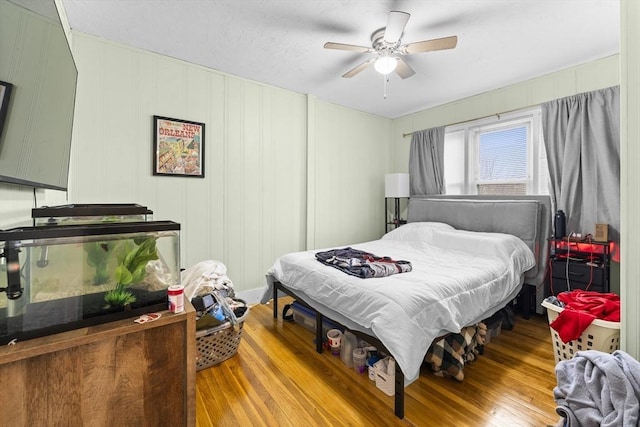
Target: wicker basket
[217,344]
[601,335]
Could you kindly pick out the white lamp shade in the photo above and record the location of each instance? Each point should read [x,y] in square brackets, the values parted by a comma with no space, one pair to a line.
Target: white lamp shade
[396,185]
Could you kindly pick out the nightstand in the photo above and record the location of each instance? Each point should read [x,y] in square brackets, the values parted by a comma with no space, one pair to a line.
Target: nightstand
[577,264]
[396,221]
[396,187]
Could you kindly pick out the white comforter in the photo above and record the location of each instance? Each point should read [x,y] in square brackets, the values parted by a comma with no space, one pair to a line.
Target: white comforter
[458,278]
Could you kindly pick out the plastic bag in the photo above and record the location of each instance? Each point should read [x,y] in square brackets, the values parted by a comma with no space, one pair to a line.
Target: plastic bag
[348,344]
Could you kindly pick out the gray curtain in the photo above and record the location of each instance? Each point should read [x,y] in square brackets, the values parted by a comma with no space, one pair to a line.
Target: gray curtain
[582,138]
[426,162]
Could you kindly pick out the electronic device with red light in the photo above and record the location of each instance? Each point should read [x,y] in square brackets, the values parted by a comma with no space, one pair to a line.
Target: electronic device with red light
[578,263]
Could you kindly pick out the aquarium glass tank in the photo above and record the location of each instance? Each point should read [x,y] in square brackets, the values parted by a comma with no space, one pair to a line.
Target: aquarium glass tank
[90,214]
[58,278]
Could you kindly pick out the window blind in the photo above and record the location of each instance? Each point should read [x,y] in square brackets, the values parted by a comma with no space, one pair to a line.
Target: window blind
[503,154]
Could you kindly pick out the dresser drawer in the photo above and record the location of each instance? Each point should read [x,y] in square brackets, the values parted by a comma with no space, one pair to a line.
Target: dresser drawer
[578,272]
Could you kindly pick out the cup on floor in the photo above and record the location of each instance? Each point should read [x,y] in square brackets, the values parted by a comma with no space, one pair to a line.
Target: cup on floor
[334,336]
[359,360]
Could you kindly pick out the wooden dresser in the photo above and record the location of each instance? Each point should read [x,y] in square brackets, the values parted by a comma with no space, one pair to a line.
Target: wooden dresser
[115,374]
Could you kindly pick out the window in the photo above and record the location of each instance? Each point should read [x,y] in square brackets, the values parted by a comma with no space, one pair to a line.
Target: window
[499,156]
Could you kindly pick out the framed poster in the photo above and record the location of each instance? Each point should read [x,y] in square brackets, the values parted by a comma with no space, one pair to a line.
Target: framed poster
[5,94]
[178,147]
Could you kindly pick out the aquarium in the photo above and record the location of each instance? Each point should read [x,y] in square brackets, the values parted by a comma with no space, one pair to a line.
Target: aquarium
[90,214]
[63,277]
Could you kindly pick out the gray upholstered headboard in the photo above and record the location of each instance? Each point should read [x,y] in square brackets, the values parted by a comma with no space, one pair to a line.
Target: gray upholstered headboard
[527,217]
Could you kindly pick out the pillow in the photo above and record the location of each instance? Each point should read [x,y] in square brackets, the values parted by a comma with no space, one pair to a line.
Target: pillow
[416,231]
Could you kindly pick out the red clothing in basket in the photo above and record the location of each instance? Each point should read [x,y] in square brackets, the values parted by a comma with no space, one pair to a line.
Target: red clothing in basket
[581,308]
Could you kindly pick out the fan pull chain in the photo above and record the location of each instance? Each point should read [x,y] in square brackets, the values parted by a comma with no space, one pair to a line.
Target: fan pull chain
[386,80]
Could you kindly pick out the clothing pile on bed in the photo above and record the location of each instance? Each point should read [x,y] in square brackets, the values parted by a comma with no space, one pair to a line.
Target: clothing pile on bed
[362,264]
[598,389]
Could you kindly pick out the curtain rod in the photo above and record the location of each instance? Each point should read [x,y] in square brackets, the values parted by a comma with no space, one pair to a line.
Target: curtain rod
[404,135]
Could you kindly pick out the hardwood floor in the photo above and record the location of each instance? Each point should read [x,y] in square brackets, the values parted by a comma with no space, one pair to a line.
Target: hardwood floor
[277,379]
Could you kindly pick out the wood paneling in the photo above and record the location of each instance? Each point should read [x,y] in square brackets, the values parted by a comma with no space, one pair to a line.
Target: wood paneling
[251,202]
[115,374]
[277,379]
[350,156]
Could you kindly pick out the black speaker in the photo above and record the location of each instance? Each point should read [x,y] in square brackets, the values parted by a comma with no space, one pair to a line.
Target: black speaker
[203,303]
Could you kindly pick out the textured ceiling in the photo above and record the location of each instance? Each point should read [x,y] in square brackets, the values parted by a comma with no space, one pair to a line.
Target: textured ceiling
[280,43]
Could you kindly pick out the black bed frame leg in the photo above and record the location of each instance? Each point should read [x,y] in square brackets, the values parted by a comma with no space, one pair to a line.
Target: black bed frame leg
[319,334]
[399,393]
[275,300]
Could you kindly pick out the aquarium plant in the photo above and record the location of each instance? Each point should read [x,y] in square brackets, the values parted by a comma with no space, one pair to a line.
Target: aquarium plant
[133,256]
[98,254]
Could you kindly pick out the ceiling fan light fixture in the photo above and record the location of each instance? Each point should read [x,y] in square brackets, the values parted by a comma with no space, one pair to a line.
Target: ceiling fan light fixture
[389,50]
[385,64]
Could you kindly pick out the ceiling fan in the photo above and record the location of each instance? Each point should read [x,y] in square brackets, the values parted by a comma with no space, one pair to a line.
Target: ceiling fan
[386,43]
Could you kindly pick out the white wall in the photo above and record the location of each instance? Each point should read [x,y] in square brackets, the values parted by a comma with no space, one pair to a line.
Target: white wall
[348,158]
[252,204]
[16,203]
[630,173]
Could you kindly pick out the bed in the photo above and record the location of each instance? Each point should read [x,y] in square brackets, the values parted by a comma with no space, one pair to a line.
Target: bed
[470,256]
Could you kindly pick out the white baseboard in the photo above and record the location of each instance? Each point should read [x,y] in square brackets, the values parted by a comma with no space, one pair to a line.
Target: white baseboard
[252,296]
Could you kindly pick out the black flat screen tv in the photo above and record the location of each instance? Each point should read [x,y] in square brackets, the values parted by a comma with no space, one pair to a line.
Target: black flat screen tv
[37,67]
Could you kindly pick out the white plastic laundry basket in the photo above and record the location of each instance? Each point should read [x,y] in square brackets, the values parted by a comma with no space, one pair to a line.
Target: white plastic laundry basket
[601,335]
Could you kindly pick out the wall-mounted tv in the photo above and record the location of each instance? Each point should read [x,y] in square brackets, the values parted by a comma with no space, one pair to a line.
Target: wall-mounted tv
[36,61]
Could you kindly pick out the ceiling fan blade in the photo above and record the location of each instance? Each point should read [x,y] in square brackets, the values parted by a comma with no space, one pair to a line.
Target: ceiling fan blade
[350,47]
[358,68]
[403,69]
[395,26]
[429,45]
